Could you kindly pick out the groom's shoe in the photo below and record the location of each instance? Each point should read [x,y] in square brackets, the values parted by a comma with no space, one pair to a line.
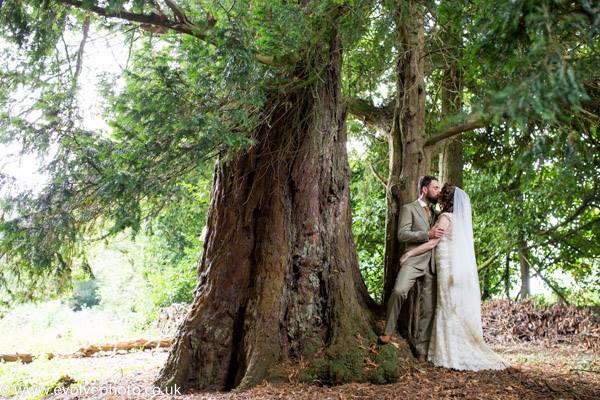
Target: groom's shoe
[385,339]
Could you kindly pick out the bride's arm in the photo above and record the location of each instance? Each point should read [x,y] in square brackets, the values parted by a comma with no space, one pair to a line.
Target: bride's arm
[442,223]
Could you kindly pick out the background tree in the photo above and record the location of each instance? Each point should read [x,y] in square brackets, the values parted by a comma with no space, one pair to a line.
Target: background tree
[458,70]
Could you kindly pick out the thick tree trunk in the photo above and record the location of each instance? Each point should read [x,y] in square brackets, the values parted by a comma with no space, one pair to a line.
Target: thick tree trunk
[451,155]
[451,162]
[279,277]
[408,157]
[394,194]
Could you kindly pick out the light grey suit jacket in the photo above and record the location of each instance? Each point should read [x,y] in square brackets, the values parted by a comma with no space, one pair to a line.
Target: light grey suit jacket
[413,230]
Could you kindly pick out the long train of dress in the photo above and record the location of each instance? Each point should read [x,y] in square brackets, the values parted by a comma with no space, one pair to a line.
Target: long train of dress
[453,343]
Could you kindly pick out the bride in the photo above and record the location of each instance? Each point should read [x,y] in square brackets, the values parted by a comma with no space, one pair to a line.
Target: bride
[457,337]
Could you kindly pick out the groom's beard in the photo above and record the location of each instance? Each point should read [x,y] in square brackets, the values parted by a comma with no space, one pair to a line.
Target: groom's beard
[432,200]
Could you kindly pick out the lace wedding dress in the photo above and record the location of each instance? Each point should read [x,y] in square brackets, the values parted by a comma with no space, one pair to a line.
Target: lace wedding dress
[457,337]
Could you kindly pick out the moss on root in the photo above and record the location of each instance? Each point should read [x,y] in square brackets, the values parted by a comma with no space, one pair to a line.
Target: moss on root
[362,362]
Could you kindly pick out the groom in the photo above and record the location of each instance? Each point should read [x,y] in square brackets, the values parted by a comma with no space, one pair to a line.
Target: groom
[416,227]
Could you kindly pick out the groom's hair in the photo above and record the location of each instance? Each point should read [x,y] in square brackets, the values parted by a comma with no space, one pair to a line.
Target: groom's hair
[425,181]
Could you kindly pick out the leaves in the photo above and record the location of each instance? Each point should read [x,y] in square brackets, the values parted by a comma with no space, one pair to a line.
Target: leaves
[508,322]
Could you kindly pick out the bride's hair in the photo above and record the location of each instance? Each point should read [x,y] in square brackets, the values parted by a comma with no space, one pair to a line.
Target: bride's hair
[447,197]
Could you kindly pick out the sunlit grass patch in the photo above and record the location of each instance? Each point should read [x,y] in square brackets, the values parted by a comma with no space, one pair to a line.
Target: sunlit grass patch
[29,381]
[54,327]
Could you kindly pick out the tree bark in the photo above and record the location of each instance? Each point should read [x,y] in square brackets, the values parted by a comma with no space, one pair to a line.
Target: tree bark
[451,154]
[451,162]
[525,273]
[486,287]
[408,157]
[506,276]
[279,277]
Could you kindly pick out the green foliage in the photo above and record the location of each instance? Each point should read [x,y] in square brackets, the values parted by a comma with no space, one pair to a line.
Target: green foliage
[85,295]
[368,211]
[185,102]
[281,27]
[529,66]
[174,249]
[53,326]
[540,300]
[538,187]
[34,25]
[369,52]
[533,59]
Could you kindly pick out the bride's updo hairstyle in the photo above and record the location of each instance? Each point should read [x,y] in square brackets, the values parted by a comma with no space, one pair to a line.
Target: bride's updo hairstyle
[447,197]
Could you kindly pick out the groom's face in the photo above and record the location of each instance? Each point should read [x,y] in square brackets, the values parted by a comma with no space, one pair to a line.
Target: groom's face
[432,191]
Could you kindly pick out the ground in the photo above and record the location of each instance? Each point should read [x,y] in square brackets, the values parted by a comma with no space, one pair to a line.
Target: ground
[539,372]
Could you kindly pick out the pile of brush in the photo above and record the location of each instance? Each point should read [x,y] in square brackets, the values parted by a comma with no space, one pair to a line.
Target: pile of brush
[509,322]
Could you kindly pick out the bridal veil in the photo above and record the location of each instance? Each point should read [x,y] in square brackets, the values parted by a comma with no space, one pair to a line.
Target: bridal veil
[465,296]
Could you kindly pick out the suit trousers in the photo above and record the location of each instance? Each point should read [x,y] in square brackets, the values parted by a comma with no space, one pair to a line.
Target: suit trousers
[405,280]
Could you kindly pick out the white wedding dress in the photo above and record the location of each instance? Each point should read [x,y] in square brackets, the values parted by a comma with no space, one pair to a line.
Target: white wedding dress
[457,337]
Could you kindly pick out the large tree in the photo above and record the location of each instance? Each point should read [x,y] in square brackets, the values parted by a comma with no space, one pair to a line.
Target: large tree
[279,278]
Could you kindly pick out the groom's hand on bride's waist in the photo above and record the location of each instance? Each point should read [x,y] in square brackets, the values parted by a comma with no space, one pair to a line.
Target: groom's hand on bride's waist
[436,232]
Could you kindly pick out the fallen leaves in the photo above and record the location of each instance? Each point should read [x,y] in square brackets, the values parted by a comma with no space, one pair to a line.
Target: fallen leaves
[509,322]
[542,380]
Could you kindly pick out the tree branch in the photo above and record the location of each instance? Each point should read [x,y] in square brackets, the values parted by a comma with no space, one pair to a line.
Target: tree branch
[488,262]
[151,19]
[474,120]
[555,289]
[79,65]
[584,205]
[380,117]
[378,176]
[179,14]
[182,25]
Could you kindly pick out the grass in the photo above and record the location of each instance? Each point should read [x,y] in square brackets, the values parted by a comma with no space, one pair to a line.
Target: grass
[31,381]
[53,327]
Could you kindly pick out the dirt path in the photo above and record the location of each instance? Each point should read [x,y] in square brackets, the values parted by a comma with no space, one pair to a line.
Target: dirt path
[538,373]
